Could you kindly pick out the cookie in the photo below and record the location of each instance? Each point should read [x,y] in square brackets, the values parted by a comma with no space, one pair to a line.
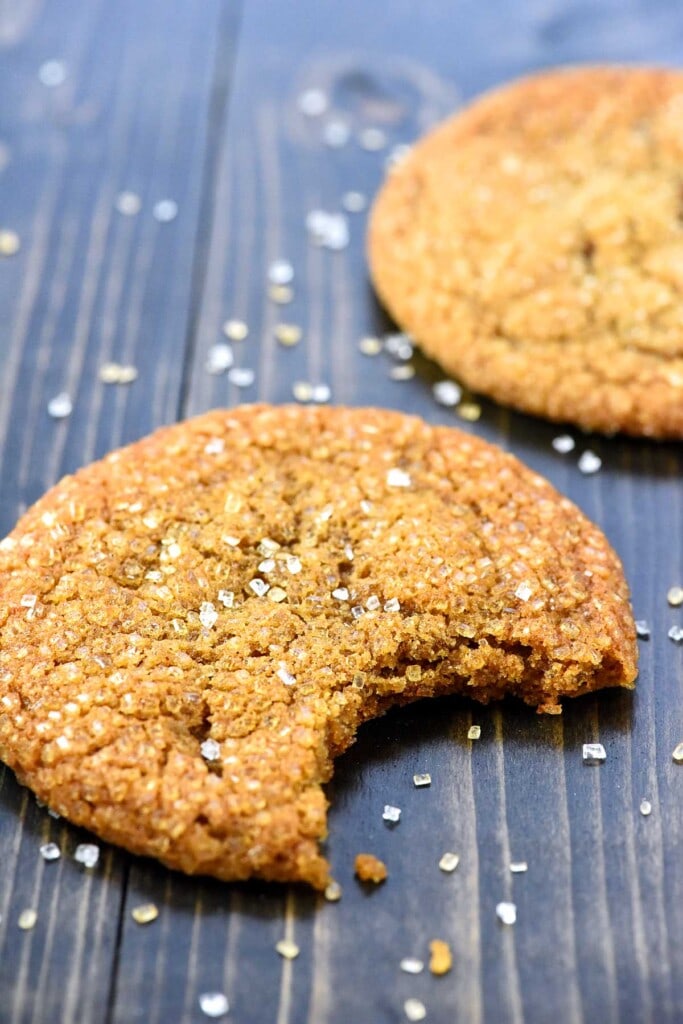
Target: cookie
[533,245]
[193,627]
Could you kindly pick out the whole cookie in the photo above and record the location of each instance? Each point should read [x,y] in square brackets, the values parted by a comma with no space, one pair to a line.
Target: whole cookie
[533,245]
[192,628]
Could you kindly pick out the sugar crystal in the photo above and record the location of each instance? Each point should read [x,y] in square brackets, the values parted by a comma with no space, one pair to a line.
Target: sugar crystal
[87,854]
[593,753]
[214,1004]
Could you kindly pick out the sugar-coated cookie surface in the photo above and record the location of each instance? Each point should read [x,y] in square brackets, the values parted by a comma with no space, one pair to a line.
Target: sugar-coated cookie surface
[193,627]
[533,245]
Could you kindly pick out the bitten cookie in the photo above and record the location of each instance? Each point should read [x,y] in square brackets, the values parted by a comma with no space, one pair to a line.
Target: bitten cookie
[533,245]
[192,628]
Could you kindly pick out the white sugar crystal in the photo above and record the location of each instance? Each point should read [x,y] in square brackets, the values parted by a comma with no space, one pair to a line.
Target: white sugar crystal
[293,564]
[372,139]
[60,406]
[165,211]
[391,813]
[518,867]
[447,392]
[593,753]
[372,603]
[506,912]
[241,376]
[260,587]
[219,358]
[280,272]
[287,949]
[208,615]
[214,1004]
[286,677]
[87,854]
[340,594]
[589,462]
[563,444]
[336,133]
[50,851]
[52,73]
[422,779]
[399,345]
[392,605]
[411,965]
[313,102]
[523,592]
[449,862]
[210,750]
[398,478]
[354,202]
[330,230]
[128,203]
[414,1010]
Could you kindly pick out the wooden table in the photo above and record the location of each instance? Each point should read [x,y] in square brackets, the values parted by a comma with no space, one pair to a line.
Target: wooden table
[199,103]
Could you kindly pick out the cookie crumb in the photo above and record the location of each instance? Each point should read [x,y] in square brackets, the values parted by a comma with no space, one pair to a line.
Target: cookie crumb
[441,958]
[369,868]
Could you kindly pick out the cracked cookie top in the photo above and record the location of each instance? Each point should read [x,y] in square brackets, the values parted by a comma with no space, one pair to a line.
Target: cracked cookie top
[193,627]
[533,245]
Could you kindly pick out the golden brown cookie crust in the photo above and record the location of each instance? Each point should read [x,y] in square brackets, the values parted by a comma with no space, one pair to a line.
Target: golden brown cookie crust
[533,245]
[151,691]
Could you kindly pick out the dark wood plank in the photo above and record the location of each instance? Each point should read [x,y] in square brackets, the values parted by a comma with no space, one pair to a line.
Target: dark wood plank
[89,285]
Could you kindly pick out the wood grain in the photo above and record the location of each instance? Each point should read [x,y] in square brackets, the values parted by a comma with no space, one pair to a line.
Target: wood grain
[198,102]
